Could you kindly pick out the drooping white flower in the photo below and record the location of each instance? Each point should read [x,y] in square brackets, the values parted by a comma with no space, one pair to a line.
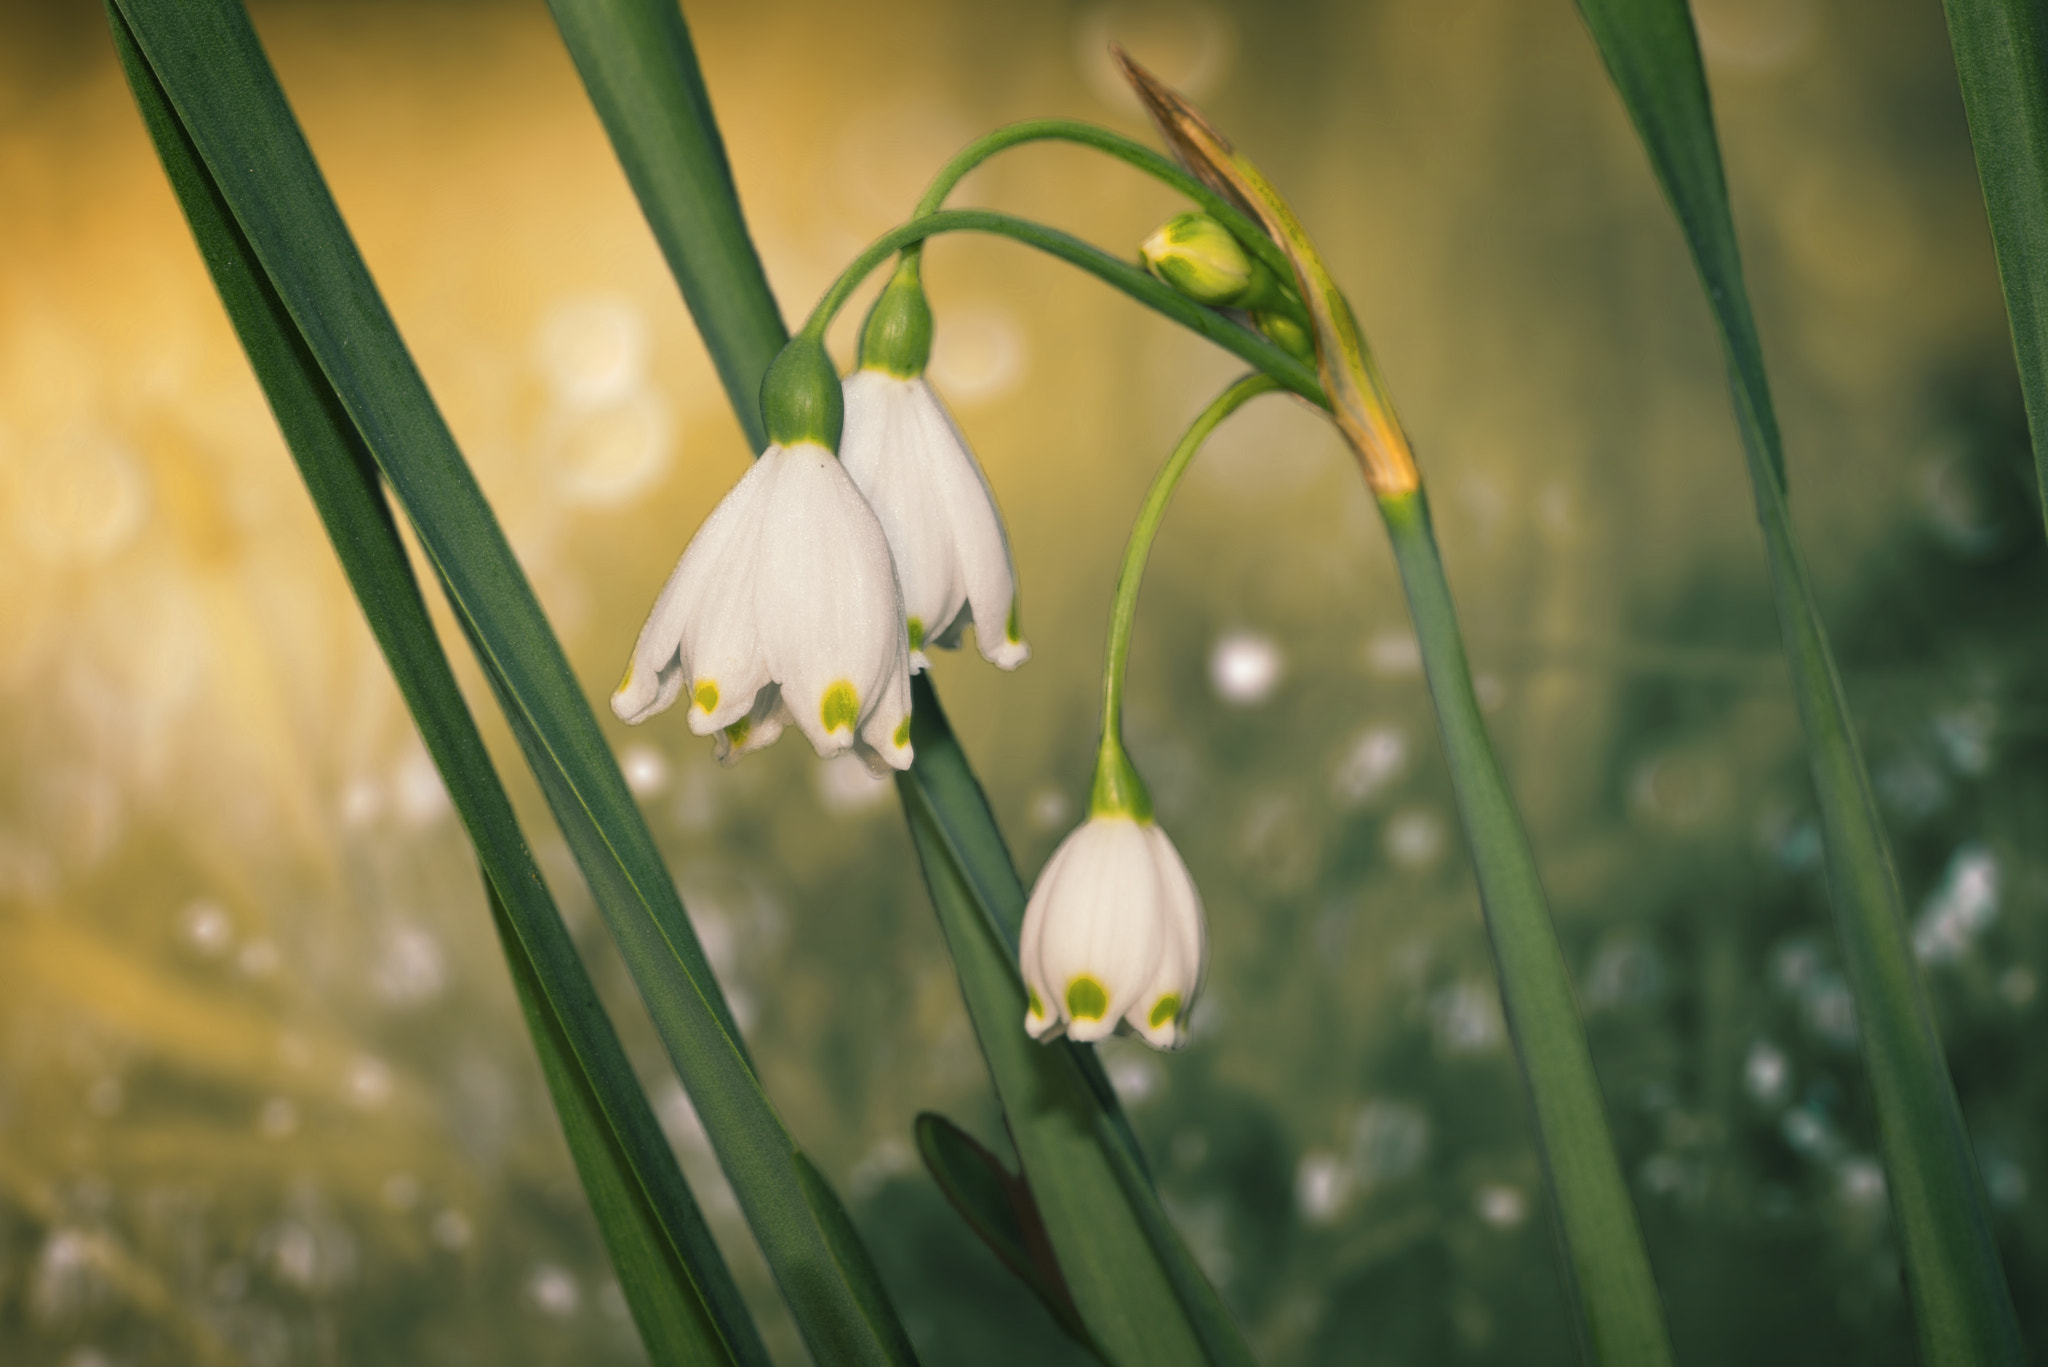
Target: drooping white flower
[1113,931]
[907,455]
[784,608]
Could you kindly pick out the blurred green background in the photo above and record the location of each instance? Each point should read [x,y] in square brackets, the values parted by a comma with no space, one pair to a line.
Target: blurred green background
[264,1095]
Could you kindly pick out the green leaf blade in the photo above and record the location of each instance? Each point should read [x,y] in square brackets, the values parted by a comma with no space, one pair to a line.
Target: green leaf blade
[2001,56]
[676,1283]
[1963,1310]
[1620,1316]
[640,68]
[221,88]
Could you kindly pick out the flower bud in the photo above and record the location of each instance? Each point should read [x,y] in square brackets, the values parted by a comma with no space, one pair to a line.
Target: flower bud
[1286,333]
[1199,257]
[800,397]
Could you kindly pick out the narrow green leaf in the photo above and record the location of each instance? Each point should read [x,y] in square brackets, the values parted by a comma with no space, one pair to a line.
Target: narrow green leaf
[216,77]
[638,64]
[1963,1312]
[1620,1318]
[857,1266]
[681,1294]
[997,1205]
[674,1323]
[1999,47]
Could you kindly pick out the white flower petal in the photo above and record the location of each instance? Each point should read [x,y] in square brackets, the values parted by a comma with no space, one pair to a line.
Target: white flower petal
[827,607]
[981,549]
[757,730]
[952,558]
[1160,1011]
[1041,1015]
[657,673]
[885,450]
[885,734]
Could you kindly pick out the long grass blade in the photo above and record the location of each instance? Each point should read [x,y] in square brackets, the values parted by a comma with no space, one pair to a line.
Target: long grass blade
[626,70]
[676,1283]
[1963,1311]
[2002,61]
[217,79]
[637,62]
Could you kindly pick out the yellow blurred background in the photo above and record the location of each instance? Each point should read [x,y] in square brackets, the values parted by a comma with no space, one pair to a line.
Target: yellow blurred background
[264,1097]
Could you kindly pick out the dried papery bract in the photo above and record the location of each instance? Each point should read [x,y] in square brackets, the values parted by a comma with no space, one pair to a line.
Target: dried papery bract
[1358,397]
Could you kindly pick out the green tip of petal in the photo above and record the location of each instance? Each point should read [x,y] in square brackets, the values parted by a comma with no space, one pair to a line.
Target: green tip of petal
[738,732]
[841,707]
[1164,1010]
[902,736]
[626,679]
[705,695]
[1011,631]
[916,629]
[1086,999]
[1031,997]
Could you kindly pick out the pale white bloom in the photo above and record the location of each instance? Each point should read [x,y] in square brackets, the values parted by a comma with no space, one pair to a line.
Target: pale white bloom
[907,455]
[783,609]
[1114,931]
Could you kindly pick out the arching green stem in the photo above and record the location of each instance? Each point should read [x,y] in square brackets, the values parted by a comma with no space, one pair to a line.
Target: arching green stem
[1152,163]
[1118,790]
[1132,280]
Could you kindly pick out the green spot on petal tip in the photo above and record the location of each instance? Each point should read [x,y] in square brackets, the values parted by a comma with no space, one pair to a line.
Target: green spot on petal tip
[916,628]
[1086,999]
[841,707]
[705,695]
[738,732]
[1031,997]
[1164,1010]
[903,732]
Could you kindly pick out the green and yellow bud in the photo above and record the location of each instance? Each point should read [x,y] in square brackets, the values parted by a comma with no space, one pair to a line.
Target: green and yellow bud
[1202,259]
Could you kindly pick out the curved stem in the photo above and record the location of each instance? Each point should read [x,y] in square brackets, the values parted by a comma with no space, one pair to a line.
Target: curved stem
[1117,786]
[1254,349]
[1246,229]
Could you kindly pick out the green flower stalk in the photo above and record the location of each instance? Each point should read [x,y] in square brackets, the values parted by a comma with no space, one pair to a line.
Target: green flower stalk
[1114,929]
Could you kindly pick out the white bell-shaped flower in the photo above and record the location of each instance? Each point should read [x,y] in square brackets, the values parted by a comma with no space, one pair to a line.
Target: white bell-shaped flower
[784,607]
[907,455]
[1113,931]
